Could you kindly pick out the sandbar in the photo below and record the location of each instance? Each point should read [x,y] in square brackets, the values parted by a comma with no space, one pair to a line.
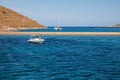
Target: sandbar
[63,33]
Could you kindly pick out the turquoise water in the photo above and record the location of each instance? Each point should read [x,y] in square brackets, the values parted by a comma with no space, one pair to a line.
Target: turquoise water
[76,29]
[60,58]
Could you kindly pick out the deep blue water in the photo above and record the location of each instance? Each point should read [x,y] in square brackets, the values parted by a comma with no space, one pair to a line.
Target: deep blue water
[60,58]
[76,29]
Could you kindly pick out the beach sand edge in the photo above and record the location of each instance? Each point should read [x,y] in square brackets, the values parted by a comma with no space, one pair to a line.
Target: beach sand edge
[63,33]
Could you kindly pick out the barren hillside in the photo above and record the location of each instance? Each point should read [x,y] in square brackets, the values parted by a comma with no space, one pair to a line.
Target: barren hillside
[11,20]
[118,25]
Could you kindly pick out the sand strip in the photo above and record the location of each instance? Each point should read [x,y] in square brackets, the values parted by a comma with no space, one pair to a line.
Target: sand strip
[63,33]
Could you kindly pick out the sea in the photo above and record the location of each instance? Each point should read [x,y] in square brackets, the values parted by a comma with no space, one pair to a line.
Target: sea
[60,57]
[76,29]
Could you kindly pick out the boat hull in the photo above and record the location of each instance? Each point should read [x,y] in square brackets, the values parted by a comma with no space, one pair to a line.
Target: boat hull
[36,41]
[57,28]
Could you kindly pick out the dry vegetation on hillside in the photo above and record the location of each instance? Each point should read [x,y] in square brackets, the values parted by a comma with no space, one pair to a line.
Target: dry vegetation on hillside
[11,20]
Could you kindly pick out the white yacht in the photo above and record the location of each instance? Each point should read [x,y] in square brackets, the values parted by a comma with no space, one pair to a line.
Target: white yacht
[57,27]
[36,40]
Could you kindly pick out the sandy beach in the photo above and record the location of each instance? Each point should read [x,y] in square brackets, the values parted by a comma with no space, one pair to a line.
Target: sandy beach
[63,33]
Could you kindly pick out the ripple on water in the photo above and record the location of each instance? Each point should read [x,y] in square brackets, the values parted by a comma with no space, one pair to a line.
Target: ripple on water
[60,58]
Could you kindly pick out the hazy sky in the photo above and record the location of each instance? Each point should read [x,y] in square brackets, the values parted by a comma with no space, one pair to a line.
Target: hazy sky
[69,12]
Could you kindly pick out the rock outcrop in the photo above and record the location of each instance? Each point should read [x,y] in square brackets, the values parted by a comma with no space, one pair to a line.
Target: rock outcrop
[11,20]
[118,25]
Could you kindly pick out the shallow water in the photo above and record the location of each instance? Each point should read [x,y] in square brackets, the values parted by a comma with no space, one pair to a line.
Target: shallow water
[60,58]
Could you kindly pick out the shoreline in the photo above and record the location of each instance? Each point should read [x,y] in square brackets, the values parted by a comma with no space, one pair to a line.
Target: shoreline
[63,33]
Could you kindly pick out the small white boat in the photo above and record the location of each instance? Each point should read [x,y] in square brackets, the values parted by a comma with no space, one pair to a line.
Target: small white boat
[36,40]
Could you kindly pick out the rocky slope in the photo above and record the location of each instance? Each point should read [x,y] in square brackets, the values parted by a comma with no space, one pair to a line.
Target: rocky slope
[118,25]
[11,20]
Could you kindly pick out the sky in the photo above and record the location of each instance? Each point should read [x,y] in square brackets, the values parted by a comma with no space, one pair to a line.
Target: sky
[68,12]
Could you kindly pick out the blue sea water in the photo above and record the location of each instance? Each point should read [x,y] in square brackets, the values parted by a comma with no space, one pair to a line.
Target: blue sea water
[76,29]
[60,58]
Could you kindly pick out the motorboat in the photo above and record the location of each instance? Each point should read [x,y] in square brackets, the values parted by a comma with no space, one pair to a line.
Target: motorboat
[36,40]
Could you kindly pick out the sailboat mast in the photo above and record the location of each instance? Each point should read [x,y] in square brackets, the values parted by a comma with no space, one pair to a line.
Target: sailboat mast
[92,21]
[58,23]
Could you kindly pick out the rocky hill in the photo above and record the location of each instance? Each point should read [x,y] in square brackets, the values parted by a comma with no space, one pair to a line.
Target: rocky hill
[118,25]
[11,20]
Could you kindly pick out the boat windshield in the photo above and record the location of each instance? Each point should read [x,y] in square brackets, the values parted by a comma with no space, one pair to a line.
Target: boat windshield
[32,37]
